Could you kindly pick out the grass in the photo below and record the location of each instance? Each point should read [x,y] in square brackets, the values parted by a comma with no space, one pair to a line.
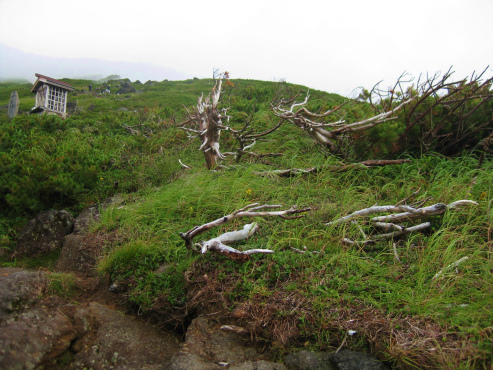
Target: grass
[61,284]
[400,311]
[293,298]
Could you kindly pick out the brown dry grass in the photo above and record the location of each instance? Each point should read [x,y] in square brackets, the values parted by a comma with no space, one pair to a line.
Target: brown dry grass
[285,317]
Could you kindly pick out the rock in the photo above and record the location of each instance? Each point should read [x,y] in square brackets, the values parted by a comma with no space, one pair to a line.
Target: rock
[19,289]
[207,347]
[126,88]
[84,220]
[13,109]
[30,333]
[258,365]
[351,360]
[34,338]
[80,251]
[343,360]
[71,107]
[120,342]
[307,360]
[77,255]
[50,333]
[44,234]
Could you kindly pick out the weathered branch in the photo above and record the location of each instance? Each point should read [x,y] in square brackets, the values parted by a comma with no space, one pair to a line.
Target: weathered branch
[390,223]
[436,209]
[362,165]
[400,231]
[219,244]
[329,134]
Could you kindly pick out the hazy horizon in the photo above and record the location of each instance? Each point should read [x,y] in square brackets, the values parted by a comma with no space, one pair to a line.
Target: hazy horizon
[330,46]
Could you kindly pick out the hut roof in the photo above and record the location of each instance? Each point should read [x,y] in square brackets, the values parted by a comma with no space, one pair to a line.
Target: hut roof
[51,81]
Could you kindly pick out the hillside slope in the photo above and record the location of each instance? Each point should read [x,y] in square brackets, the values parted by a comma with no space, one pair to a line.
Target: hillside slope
[419,300]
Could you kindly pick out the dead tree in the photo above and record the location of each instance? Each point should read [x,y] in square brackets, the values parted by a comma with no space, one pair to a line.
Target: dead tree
[246,138]
[220,243]
[207,122]
[330,134]
[446,115]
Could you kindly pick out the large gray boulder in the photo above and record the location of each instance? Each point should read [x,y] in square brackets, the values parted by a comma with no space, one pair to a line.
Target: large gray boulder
[79,254]
[44,234]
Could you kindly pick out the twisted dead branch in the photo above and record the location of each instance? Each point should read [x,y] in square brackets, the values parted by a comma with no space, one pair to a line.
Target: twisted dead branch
[331,134]
[220,243]
[360,166]
[390,223]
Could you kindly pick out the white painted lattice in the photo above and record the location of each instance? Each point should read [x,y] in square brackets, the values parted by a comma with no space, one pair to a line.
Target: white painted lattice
[56,99]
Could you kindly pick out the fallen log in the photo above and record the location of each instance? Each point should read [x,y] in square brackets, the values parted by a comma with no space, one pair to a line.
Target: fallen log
[220,243]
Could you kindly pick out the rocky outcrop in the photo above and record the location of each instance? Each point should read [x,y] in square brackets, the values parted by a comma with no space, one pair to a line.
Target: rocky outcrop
[47,332]
[50,333]
[126,88]
[78,254]
[44,234]
[341,360]
[110,339]
[207,347]
[19,290]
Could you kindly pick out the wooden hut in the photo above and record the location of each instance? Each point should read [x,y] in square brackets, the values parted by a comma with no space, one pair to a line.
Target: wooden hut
[51,95]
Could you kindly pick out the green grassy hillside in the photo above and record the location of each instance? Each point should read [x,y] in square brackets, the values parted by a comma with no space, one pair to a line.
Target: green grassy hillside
[415,300]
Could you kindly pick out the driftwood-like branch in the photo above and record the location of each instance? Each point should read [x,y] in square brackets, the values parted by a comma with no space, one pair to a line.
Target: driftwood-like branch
[436,209]
[219,244]
[399,232]
[361,166]
[390,223]
[410,213]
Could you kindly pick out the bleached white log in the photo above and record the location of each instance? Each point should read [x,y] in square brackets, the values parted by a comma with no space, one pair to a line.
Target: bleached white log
[252,210]
[216,246]
[371,210]
[375,238]
[436,209]
[459,203]
[222,240]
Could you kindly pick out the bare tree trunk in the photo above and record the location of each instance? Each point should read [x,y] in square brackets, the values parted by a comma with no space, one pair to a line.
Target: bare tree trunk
[208,120]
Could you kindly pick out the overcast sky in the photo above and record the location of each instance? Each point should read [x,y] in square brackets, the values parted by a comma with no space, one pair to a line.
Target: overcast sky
[334,46]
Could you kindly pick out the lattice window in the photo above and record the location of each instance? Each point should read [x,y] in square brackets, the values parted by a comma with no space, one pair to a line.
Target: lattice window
[56,99]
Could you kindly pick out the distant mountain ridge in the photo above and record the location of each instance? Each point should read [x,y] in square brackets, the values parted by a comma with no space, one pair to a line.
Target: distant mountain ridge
[16,64]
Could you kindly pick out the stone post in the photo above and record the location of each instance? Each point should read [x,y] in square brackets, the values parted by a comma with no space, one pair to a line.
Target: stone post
[13,105]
